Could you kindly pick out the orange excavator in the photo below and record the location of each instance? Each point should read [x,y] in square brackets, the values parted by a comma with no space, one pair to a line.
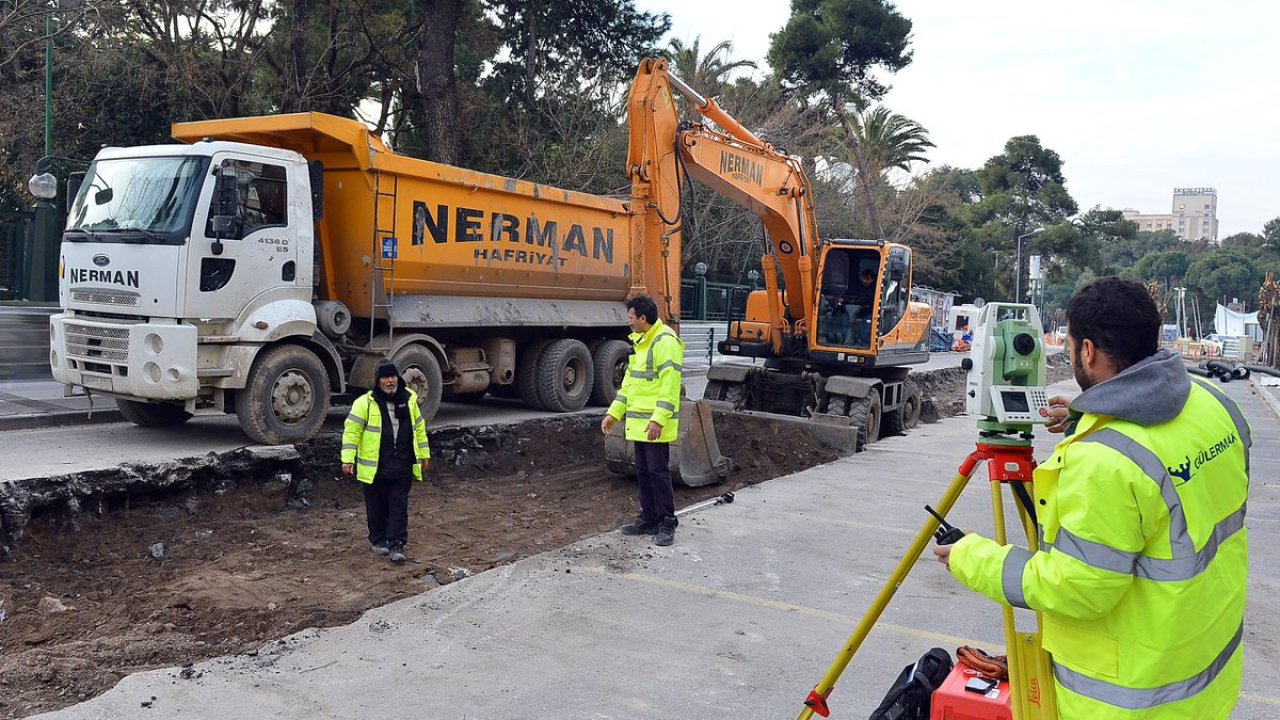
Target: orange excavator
[835,324]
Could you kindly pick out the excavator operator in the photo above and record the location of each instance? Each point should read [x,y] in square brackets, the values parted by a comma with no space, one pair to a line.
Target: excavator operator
[857,304]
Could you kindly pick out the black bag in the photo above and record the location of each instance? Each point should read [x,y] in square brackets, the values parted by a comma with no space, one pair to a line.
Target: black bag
[912,692]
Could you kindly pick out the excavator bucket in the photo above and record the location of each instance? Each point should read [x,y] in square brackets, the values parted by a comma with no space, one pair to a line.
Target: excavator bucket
[695,455]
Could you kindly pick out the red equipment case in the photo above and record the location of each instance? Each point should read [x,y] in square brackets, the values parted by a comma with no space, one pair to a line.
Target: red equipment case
[953,702]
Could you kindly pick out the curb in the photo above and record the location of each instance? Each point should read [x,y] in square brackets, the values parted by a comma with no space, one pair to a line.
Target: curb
[1272,401]
[62,419]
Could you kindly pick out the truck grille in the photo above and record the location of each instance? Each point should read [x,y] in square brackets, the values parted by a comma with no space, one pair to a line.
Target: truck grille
[105,297]
[91,342]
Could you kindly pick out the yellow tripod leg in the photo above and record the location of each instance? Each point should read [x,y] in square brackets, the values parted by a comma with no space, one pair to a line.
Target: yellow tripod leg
[1030,671]
[817,700]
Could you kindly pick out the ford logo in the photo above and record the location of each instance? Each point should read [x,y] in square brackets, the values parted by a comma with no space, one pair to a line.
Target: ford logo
[101,260]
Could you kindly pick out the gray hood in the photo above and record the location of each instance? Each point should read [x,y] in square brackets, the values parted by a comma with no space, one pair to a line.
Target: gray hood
[1148,393]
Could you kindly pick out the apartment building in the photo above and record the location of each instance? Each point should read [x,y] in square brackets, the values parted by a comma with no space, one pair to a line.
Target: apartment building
[1194,215]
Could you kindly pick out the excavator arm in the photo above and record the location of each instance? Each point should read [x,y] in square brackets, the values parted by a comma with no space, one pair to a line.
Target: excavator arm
[735,163]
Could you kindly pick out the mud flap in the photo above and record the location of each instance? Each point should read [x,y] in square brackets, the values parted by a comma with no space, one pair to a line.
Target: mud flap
[695,455]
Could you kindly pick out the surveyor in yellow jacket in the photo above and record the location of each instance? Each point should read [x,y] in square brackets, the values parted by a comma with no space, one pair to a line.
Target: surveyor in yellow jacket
[384,444]
[1141,571]
[649,400]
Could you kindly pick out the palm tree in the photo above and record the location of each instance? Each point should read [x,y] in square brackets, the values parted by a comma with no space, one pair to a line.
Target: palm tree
[890,141]
[708,74]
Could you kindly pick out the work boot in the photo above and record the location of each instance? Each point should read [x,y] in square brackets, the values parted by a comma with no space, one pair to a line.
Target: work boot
[640,527]
[396,553]
[666,532]
[379,548]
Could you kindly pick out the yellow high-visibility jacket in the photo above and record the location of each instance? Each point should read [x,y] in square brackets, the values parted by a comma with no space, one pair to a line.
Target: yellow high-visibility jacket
[1141,573]
[362,437]
[651,390]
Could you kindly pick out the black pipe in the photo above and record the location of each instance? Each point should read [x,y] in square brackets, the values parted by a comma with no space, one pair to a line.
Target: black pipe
[1200,371]
[1264,370]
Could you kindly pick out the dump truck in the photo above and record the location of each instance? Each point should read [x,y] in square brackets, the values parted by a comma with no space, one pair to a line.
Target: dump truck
[835,326]
[270,262]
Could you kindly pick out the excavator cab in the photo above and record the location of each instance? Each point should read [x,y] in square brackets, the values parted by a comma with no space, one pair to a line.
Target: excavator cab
[848,297]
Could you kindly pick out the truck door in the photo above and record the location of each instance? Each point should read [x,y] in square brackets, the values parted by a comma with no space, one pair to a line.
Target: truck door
[259,251]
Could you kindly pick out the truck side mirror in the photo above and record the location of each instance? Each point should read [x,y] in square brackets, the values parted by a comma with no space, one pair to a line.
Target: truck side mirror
[225,199]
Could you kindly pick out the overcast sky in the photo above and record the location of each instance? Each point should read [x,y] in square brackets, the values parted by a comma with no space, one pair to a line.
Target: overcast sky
[1136,96]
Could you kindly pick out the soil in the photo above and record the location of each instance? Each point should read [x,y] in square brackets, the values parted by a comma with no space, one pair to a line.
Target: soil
[88,594]
[223,554]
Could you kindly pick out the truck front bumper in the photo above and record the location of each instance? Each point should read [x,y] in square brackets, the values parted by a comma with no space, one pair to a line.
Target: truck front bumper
[137,359]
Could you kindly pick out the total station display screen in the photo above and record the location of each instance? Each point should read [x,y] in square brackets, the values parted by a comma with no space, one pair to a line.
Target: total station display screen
[1015,402]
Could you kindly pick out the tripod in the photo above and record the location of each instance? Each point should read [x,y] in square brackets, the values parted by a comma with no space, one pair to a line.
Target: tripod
[1009,462]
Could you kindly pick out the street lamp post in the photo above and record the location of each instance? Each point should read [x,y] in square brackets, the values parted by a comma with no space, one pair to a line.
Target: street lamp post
[1017,281]
[700,285]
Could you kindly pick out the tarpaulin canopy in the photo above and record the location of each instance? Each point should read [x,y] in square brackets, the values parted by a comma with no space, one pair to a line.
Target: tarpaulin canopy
[1234,324]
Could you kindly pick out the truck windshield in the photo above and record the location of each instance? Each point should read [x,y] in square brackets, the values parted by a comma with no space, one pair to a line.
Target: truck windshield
[144,200]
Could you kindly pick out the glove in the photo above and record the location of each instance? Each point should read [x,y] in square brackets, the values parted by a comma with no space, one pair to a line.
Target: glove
[994,667]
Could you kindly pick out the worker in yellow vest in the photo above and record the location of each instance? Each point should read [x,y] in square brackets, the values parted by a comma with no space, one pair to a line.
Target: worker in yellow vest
[384,444]
[1141,572]
[649,400]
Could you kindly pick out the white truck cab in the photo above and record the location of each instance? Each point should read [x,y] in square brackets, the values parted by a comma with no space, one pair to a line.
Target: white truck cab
[179,265]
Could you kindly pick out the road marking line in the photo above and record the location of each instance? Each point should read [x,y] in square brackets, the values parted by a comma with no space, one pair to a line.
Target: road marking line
[852,622]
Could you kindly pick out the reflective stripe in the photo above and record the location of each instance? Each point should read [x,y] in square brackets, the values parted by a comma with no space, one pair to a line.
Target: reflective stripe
[1180,541]
[643,375]
[348,446]
[670,364]
[419,421]
[367,463]
[620,398]
[352,417]
[1143,698]
[664,405]
[1011,576]
[1103,557]
[1237,417]
[1185,568]
[637,415]
[1187,562]
[424,448]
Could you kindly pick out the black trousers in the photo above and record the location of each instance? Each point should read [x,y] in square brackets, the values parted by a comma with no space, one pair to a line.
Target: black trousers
[386,505]
[653,475]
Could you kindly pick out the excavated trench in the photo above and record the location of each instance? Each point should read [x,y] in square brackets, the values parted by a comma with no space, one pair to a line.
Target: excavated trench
[110,572]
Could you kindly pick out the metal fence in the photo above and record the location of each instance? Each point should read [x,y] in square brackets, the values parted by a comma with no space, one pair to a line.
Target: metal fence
[15,233]
[702,300]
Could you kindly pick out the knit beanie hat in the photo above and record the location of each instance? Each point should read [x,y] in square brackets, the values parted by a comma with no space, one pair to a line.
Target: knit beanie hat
[386,368]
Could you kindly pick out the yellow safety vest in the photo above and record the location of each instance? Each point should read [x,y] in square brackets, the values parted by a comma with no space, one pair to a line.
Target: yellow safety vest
[1141,574]
[362,437]
[651,390]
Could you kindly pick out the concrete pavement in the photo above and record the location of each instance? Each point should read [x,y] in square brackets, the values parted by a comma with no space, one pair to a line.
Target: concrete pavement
[739,619]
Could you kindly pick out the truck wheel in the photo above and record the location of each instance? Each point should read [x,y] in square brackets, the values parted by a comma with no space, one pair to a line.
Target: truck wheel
[907,416]
[610,367]
[865,413]
[287,397]
[565,375]
[421,372]
[527,373]
[152,415]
